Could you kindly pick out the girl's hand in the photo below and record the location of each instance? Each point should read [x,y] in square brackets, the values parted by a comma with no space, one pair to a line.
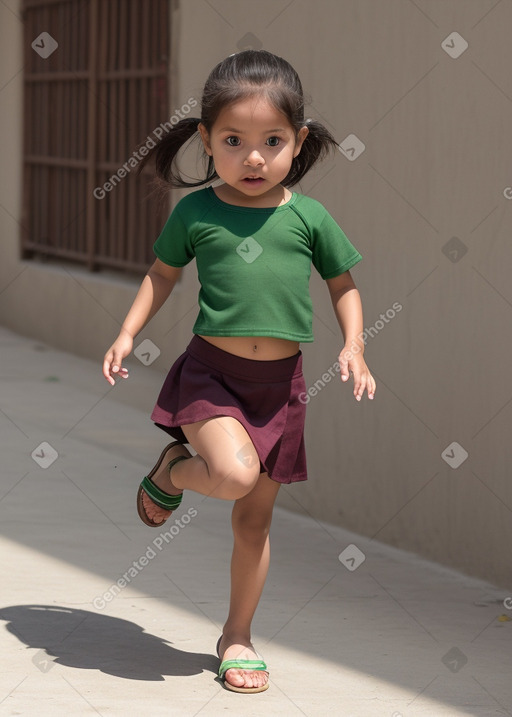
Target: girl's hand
[112,363]
[354,363]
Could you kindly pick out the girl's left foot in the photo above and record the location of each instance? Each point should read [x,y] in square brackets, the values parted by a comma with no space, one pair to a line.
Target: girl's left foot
[238,648]
[162,480]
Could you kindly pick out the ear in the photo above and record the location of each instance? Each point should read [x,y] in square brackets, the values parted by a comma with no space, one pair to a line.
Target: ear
[301,136]
[205,137]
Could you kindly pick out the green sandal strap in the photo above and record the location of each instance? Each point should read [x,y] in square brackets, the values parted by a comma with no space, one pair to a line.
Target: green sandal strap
[159,497]
[241,665]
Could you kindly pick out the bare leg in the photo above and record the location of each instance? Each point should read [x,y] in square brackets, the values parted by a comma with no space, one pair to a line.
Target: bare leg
[226,466]
[251,519]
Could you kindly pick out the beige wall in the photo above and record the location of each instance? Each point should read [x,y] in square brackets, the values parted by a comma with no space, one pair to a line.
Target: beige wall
[435,167]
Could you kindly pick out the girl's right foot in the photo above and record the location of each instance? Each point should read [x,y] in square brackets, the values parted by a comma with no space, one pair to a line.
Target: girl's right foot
[162,480]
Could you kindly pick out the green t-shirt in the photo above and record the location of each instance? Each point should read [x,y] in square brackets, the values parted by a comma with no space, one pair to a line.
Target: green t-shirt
[254,264]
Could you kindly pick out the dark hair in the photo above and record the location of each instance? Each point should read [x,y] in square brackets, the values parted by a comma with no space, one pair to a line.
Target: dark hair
[238,77]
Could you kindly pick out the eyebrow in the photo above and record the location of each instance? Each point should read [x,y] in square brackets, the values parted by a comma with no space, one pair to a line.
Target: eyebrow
[239,131]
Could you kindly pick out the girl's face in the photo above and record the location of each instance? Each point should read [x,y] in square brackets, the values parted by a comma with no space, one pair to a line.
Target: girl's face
[252,145]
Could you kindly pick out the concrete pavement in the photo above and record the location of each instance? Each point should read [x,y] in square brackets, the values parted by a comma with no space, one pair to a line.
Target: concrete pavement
[103,615]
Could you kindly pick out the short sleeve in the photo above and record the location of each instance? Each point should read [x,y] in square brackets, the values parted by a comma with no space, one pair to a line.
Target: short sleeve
[332,252]
[174,245]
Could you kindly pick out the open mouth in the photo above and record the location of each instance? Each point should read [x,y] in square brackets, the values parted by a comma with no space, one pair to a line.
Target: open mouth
[253,181]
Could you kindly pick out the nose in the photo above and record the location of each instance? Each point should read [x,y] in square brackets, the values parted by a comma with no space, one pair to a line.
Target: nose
[254,159]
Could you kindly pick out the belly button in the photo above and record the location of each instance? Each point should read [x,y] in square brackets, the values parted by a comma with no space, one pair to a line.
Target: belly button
[254,348]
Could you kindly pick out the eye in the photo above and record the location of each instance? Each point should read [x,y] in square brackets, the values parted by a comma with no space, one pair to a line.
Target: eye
[233,137]
[273,141]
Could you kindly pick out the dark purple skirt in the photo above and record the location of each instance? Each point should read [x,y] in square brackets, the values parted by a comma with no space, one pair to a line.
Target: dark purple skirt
[206,381]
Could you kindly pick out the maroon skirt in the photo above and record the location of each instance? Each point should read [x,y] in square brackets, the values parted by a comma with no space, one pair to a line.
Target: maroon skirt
[206,381]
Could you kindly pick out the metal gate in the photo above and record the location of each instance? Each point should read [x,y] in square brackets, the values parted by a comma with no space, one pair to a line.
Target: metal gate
[96,76]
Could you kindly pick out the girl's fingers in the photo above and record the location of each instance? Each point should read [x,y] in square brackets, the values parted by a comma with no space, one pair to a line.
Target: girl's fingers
[360,385]
[106,371]
[116,363]
[111,366]
[119,370]
[362,378]
[344,369]
[370,387]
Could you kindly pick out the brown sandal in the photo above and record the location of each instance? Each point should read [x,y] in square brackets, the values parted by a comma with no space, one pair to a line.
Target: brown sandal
[159,497]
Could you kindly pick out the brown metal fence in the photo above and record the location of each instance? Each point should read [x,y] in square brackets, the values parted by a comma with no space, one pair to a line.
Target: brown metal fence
[96,86]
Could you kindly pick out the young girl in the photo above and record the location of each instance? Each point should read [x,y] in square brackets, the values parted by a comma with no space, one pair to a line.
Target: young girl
[234,395]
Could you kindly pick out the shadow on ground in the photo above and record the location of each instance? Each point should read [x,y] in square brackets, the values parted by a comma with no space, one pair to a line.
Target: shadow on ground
[83,639]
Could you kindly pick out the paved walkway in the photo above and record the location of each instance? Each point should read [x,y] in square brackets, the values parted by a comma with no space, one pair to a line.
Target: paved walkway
[101,615]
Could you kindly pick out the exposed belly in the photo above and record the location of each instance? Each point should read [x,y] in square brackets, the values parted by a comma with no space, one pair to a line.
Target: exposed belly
[259,348]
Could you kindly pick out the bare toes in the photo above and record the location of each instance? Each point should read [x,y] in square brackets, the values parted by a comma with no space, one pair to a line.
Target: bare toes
[244,678]
[153,512]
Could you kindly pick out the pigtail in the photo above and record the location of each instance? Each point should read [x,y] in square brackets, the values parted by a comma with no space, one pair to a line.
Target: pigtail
[165,152]
[318,143]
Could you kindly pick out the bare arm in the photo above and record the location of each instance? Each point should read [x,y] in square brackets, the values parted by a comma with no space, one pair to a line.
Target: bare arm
[156,287]
[348,309]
